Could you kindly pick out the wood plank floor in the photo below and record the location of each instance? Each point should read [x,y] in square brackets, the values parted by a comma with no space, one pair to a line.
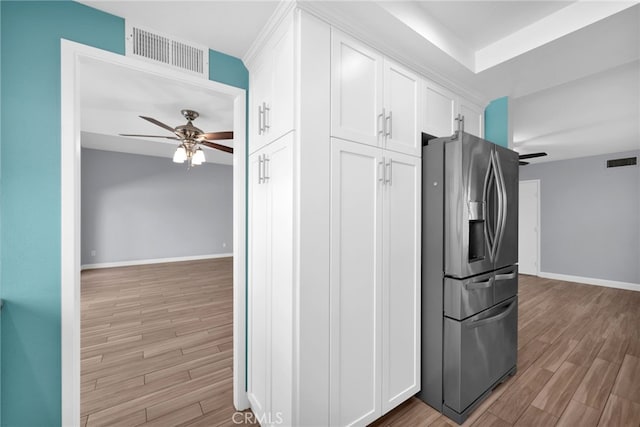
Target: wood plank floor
[157,350]
[578,363]
[156,345]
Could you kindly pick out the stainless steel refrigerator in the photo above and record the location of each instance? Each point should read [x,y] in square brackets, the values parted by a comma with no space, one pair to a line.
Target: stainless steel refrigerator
[469,271]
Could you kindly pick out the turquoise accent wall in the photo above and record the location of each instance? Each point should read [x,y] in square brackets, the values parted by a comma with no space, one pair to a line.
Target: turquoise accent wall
[496,121]
[30,36]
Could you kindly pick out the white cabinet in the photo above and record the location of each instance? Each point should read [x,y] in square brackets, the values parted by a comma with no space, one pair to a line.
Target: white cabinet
[402,109]
[270,290]
[374,101]
[401,280]
[375,287]
[271,89]
[473,117]
[441,108]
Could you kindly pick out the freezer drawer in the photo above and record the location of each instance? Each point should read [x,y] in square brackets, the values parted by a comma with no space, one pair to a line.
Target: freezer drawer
[466,297]
[505,283]
[478,352]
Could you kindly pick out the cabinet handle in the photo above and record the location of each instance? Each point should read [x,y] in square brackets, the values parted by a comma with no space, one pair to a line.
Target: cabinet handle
[381,171]
[381,123]
[389,177]
[265,162]
[389,127]
[260,115]
[261,169]
[266,111]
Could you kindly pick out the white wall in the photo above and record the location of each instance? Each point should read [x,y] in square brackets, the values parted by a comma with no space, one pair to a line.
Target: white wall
[138,207]
[590,217]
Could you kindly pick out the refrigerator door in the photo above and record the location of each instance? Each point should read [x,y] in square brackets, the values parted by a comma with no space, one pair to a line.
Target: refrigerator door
[469,175]
[506,162]
[478,352]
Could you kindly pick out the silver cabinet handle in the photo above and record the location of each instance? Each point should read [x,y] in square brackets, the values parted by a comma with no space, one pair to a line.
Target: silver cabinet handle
[267,116]
[381,123]
[266,171]
[389,176]
[389,125]
[381,171]
[260,117]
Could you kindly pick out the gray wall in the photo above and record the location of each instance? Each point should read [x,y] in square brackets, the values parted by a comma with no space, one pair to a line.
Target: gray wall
[141,207]
[590,217]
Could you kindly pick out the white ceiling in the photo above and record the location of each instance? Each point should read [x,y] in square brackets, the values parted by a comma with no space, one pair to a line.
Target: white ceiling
[569,57]
[112,98]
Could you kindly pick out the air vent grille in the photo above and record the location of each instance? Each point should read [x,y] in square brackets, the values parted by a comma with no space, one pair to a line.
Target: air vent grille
[164,49]
[628,161]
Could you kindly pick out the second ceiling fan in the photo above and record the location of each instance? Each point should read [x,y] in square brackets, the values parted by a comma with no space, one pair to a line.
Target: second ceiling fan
[530,156]
[190,137]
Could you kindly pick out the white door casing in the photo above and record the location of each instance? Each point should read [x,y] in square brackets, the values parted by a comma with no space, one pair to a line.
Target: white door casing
[529,227]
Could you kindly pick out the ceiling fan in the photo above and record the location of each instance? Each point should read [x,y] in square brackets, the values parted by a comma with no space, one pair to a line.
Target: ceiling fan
[190,138]
[530,156]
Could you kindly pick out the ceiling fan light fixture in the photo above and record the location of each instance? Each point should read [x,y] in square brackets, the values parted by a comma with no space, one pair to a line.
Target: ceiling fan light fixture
[198,157]
[180,155]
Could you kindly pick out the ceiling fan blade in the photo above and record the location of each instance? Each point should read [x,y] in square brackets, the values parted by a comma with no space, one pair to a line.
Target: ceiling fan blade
[216,146]
[158,123]
[149,136]
[532,155]
[213,136]
[524,163]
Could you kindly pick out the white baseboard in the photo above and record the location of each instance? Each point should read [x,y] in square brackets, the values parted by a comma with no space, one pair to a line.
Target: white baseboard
[152,261]
[592,281]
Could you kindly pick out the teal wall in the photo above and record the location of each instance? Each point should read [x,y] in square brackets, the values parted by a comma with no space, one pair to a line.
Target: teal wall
[30,192]
[496,121]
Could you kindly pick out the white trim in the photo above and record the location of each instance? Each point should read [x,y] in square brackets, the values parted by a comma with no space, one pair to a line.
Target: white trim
[152,261]
[538,225]
[72,55]
[592,281]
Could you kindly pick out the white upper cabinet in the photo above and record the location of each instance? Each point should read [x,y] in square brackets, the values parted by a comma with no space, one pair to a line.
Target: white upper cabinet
[473,117]
[356,90]
[402,109]
[374,101]
[441,108]
[271,89]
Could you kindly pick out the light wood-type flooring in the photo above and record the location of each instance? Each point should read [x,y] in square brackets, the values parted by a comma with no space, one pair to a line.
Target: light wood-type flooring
[157,350]
[156,345]
[578,363]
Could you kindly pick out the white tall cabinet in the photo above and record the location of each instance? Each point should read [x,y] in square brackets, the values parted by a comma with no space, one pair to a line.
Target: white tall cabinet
[270,296]
[375,281]
[334,205]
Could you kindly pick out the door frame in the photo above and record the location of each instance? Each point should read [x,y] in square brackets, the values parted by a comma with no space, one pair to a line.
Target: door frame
[537,183]
[71,58]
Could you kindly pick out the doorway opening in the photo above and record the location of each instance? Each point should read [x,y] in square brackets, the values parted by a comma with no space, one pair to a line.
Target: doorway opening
[76,60]
[529,227]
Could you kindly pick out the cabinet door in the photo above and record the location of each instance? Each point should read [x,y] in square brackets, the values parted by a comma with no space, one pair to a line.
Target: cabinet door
[356,90]
[258,290]
[279,115]
[402,109]
[355,289]
[259,89]
[279,176]
[473,118]
[440,111]
[401,280]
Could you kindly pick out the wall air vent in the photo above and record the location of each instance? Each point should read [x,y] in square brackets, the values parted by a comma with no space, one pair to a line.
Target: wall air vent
[168,50]
[628,161]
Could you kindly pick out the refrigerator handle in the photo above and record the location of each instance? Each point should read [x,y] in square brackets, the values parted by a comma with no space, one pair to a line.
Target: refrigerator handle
[499,316]
[502,203]
[489,228]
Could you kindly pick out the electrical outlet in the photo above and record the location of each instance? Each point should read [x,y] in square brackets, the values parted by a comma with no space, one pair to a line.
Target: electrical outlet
[224,244]
[93,252]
